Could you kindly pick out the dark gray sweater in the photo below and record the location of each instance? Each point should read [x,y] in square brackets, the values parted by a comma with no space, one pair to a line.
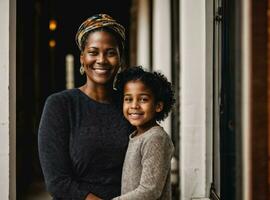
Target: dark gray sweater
[82,145]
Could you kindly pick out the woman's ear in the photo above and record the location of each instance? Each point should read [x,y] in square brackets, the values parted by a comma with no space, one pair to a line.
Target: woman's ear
[159,106]
[81,59]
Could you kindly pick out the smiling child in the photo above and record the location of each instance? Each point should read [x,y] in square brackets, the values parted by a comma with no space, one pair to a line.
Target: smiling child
[147,99]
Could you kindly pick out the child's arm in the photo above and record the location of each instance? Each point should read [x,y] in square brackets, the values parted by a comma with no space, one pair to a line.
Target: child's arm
[156,158]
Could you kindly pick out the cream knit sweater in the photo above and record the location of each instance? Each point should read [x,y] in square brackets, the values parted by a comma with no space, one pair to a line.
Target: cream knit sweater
[146,170]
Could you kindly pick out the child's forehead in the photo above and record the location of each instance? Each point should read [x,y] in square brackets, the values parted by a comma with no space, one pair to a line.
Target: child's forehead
[136,85]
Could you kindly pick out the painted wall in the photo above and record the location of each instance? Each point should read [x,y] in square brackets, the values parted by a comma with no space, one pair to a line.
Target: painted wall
[162,44]
[7,99]
[4,100]
[143,34]
[193,99]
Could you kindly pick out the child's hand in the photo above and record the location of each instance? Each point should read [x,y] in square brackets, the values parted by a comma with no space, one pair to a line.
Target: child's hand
[91,196]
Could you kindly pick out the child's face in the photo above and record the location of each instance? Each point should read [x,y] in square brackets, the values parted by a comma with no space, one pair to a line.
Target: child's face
[139,105]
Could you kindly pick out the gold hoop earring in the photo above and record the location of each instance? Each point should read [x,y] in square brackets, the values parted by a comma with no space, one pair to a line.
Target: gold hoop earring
[81,70]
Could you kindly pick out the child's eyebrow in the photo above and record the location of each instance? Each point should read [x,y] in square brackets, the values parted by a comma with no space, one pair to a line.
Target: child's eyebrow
[141,94]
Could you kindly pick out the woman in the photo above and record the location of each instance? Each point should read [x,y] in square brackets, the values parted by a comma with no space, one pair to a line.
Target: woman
[83,135]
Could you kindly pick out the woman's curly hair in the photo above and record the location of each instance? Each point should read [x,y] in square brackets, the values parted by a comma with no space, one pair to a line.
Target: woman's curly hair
[159,85]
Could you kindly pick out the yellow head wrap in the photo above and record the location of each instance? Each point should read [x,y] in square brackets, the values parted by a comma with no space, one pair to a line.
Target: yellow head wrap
[99,21]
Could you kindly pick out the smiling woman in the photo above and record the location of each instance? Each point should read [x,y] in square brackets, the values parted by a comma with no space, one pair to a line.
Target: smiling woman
[83,135]
[41,70]
[101,41]
[100,59]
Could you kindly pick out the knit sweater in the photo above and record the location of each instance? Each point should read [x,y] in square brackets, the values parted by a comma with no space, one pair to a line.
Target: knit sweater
[146,171]
[82,145]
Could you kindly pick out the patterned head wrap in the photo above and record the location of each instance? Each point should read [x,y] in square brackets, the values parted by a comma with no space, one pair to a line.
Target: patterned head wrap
[99,21]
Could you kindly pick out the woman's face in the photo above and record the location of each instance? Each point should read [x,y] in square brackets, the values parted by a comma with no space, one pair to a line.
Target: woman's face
[100,58]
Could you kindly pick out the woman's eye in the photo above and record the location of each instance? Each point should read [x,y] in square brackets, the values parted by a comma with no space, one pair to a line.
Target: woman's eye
[111,53]
[92,53]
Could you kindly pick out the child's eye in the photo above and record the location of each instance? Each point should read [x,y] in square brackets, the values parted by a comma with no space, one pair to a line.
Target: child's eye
[127,99]
[143,99]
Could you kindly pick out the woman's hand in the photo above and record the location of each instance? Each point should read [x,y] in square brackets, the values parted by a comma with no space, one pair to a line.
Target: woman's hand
[91,196]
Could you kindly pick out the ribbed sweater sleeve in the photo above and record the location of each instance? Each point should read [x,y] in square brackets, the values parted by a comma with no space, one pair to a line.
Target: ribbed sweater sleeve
[156,154]
[53,144]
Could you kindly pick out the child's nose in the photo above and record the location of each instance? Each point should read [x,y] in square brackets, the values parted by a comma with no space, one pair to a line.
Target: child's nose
[135,104]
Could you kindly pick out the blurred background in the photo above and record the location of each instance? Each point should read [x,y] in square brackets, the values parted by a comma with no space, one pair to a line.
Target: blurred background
[215,52]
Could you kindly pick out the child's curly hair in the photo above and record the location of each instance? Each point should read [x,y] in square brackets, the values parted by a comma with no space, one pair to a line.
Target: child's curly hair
[159,85]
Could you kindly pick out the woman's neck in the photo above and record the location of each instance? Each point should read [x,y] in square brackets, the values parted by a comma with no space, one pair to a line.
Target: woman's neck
[100,94]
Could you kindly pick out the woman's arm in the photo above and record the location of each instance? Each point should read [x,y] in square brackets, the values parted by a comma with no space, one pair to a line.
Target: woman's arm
[53,144]
[156,157]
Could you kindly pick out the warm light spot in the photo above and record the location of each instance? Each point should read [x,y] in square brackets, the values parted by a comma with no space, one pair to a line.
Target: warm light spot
[52,25]
[52,43]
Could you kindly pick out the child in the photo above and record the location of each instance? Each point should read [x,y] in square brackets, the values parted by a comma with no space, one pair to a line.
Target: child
[147,99]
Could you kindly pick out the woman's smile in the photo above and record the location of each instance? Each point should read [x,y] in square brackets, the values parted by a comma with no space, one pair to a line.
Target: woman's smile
[101,70]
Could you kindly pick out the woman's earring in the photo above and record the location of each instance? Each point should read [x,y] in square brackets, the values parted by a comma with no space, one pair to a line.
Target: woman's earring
[114,81]
[81,70]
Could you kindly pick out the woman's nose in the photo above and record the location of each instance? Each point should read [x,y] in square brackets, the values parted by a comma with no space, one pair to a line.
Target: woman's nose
[102,58]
